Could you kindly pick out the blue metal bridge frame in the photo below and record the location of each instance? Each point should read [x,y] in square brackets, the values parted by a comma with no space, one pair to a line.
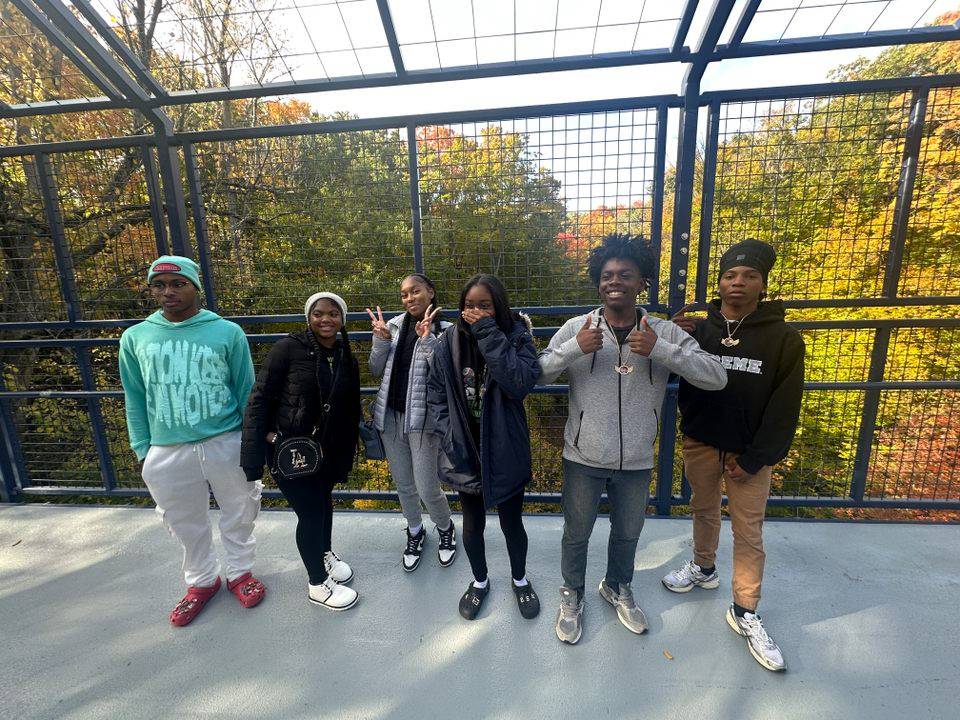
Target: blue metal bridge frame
[125,83]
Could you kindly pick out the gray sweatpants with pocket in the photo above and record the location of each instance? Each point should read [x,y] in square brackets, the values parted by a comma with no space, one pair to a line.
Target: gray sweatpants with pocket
[413,465]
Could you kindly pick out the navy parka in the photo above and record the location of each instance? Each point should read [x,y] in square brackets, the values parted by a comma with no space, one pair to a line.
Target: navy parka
[501,466]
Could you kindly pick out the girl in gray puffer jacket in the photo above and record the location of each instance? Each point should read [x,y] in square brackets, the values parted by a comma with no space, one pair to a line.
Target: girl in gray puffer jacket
[402,349]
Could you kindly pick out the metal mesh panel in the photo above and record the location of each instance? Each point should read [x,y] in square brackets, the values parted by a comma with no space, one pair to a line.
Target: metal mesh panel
[916,449]
[820,463]
[29,285]
[109,229]
[56,441]
[40,369]
[31,69]
[932,247]
[816,178]
[837,355]
[923,354]
[526,199]
[289,216]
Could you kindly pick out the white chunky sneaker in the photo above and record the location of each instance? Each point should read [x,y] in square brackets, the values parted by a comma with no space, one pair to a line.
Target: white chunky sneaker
[332,595]
[630,614]
[337,568]
[570,617]
[688,577]
[762,647]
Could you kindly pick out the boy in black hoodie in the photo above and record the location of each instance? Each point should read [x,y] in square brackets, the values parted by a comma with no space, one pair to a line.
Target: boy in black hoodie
[739,433]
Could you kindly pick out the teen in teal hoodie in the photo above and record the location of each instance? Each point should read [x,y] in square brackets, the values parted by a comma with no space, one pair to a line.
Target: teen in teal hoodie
[186,375]
[184,381]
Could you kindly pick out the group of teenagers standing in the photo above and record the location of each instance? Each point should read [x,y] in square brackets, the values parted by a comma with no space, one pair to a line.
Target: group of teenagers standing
[450,412]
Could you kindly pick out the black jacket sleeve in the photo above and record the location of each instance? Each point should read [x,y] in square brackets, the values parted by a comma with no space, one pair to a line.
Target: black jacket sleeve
[771,443]
[260,415]
[514,368]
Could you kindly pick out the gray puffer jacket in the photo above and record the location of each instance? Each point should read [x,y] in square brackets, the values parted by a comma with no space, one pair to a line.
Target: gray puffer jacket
[381,364]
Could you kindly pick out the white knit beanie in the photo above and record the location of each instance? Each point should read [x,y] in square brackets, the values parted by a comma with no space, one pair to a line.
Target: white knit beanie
[328,296]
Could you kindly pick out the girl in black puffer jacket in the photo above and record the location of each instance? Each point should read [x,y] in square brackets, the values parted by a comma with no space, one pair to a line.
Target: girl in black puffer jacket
[310,380]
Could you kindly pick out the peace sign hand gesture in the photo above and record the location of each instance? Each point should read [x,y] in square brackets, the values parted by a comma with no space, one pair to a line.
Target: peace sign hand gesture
[380,328]
[423,327]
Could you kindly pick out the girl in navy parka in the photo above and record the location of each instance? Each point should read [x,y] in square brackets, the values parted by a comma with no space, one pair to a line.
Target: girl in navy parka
[482,369]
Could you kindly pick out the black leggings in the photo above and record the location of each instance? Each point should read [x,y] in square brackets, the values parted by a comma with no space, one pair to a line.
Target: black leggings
[312,500]
[511,522]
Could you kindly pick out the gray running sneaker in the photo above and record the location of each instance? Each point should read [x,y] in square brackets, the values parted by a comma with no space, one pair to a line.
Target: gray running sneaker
[570,617]
[688,577]
[631,616]
[762,647]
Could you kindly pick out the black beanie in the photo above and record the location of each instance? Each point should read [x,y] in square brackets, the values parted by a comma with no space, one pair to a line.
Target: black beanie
[749,253]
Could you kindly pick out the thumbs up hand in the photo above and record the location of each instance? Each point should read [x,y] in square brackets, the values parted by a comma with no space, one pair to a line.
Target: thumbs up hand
[642,339]
[590,339]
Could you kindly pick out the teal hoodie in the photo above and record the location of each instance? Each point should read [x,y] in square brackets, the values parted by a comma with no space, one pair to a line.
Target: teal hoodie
[183,382]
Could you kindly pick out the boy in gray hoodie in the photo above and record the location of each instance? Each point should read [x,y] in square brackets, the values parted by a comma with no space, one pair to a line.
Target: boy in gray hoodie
[617,359]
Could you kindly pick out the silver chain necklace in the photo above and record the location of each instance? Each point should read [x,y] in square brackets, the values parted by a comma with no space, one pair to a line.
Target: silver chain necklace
[729,340]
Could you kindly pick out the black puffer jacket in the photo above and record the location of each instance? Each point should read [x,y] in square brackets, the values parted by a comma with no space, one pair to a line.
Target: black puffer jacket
[291,387]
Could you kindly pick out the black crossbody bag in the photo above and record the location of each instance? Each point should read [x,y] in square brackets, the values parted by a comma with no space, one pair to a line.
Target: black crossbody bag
[302,455]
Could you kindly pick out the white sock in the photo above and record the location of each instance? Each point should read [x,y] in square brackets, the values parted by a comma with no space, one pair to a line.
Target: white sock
[521,582]
[481,585]
[415,530]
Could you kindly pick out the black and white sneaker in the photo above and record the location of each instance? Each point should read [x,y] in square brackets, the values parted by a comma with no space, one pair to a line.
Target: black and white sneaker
[447,552]
[472,600]
[411,554]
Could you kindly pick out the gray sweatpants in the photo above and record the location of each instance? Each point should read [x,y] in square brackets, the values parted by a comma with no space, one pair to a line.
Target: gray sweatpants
[413,464]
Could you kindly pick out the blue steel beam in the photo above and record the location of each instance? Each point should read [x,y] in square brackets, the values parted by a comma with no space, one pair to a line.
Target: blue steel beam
[908,175]
[683,27]
[68,24]
[743,23]
[413,168]
[122,50]
[391,34]
[844,41]
[64,45]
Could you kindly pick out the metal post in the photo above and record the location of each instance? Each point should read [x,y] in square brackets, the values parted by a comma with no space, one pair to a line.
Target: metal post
[706,200]
[176,208]
[868,420]
[14,468]
[656,218]
[201,237]
[47,183]
[414,170]
[663,499]
[9,488]
[99,429]
[908,176]
[153,193]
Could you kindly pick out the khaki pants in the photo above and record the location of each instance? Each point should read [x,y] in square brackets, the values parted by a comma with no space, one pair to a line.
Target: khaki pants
[747,502]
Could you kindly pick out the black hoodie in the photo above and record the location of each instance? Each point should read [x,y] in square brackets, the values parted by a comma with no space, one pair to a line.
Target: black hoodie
[756,414]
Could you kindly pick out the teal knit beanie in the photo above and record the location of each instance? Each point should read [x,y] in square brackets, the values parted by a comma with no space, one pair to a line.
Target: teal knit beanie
[176,265]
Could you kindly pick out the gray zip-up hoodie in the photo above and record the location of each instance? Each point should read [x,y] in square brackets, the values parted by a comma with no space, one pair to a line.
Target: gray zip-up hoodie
[381,364]
[614,418]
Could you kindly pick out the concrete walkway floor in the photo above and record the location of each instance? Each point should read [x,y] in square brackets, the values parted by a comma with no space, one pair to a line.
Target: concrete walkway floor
[866,616]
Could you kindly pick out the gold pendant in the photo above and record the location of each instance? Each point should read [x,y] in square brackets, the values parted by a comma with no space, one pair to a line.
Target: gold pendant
[624,369]
[730,342]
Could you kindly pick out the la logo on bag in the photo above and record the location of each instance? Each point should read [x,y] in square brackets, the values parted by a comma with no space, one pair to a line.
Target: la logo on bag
[297,461]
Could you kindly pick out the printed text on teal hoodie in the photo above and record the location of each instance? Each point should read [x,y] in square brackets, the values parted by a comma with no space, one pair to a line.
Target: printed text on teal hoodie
[183,382]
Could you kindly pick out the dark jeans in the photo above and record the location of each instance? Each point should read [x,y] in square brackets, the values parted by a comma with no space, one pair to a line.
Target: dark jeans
[511,522]
[628,491]
[312,500]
